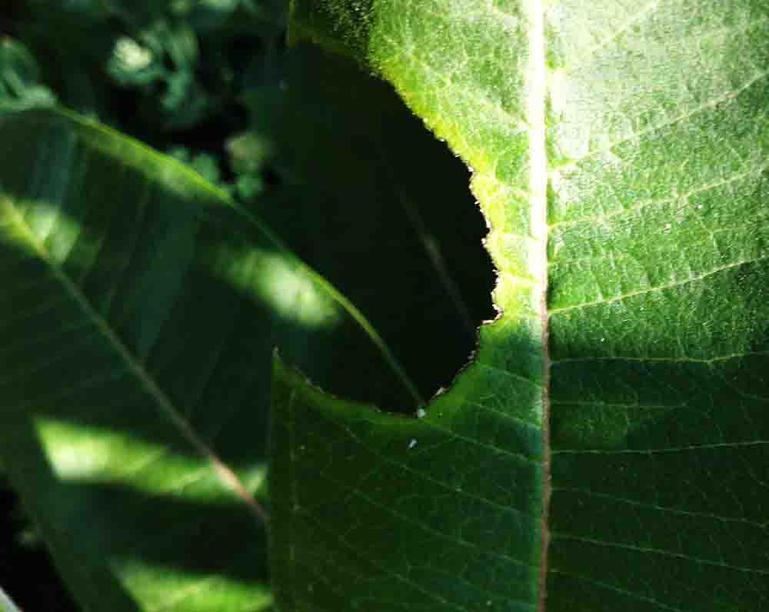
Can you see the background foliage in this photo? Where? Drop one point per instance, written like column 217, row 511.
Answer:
column 136, row 65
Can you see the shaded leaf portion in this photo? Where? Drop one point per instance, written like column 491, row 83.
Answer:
column 370, row 511
column 658, row 309
column 140, row 312
column 648, row 130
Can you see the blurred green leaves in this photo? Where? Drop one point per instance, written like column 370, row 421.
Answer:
column 20, row 85
column 173, row 73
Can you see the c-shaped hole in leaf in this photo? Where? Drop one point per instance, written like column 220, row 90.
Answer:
column 383, row 210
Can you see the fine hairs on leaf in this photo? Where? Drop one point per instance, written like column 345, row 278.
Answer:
column 607, row 446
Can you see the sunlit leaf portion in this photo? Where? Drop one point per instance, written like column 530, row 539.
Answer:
column 280, row 281
column 607, row 449
column 175, row 590
column 83, row 454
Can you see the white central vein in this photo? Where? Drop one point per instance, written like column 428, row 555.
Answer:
column 536, row 100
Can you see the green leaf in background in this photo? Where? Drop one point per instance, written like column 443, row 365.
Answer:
column 139, row 317
column 162, row 70
column 608, row 449
column 20, row 85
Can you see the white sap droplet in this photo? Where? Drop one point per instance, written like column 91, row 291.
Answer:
column 412, row 443
column 421, row 413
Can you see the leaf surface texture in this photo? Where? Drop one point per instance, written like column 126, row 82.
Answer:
column 138, row 320
column 607, row 448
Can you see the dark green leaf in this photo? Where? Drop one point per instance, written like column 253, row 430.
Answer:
column 137, row 326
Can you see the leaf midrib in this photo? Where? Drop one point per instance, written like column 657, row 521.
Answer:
column 223, row 472
column 536, row 108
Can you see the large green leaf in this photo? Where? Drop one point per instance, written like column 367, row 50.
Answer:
column 608, row 447
column 139, row 315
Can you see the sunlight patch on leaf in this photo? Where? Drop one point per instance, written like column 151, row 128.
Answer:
column 164, row 589
column 279, row 281
column 46, row 222
column 88, row 454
